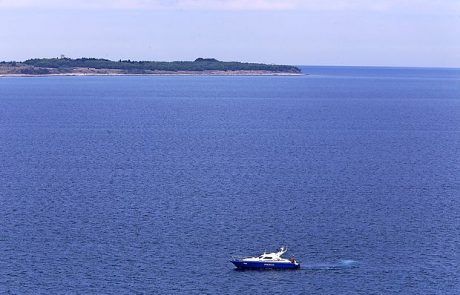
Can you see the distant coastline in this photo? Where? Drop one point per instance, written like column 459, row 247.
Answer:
column 103, row 67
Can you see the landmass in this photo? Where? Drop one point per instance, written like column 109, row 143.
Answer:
column 99, row 66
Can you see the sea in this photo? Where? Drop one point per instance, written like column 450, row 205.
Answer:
column 150, row 184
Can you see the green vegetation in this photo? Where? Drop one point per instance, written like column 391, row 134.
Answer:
column 138, row 67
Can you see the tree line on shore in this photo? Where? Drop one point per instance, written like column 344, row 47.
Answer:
column 200, row 64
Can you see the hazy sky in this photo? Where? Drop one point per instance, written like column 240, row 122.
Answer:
column 301, row 32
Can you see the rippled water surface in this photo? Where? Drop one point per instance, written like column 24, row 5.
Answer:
column 113, row 185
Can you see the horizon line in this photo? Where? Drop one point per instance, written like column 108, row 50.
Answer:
column 259, row 62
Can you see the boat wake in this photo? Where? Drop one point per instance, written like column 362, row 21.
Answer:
column 341, row 264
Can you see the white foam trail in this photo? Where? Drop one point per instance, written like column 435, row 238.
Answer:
column 341, row 264
column 347, row 262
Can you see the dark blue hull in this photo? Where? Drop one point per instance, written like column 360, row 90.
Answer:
column 264, row 265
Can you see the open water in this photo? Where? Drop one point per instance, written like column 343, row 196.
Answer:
column 148, row 185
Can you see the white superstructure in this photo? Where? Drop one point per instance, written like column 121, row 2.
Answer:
column 270, row 257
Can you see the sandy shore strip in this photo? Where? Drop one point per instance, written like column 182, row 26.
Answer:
column 162, row 74
column 154, row 73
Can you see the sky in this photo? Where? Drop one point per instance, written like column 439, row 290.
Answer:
column 413, row 33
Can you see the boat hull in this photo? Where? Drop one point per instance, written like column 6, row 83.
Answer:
column 264, row 265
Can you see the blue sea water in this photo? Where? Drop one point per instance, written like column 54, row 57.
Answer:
column 148, row 185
